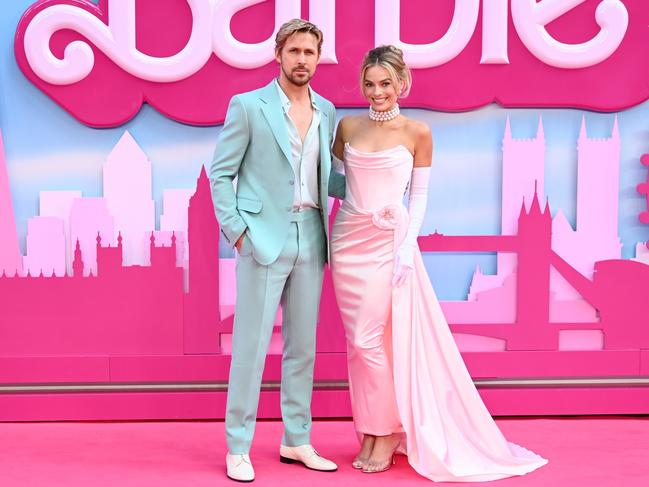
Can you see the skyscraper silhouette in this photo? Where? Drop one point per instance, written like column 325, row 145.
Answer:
column 11, row 261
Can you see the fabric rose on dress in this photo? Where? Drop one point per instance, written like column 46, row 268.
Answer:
column 387, row 218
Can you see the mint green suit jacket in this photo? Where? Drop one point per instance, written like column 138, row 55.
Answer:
column 254, row 147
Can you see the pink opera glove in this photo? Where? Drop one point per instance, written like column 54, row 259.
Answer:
column 405, row 255
column 337, row 164
column 403, row 264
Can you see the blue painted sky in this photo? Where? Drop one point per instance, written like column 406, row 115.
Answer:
column 48, row 149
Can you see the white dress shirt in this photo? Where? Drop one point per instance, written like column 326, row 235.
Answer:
column 305, row 157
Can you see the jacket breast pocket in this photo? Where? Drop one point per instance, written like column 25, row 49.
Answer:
column 248, row 204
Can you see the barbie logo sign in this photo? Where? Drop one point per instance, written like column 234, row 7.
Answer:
column 187, row 57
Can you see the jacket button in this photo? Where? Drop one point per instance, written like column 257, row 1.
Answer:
column 291, row 182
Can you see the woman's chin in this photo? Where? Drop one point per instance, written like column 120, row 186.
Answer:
column 381, row 107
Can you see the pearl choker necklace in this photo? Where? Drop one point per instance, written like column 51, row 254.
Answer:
column 384, row 116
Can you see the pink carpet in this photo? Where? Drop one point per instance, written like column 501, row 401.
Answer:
column 611, row 451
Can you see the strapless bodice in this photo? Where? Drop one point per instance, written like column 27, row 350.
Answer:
column 376, row 179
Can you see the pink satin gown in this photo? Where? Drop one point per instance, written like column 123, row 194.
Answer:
column 406, row 374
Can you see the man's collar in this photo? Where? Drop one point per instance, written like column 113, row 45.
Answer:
column 286, row 103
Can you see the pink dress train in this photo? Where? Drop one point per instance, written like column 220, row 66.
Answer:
column 406, row 374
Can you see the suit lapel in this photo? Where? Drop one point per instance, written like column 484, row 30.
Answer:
column 271, row 107
column 325, row 155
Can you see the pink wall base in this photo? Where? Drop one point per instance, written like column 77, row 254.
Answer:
column 330, row 398
column 326, row 404
column 329, row 367
column 152, row 405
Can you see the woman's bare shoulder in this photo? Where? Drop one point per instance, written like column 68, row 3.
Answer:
column 417, row 128
column 348, row 125
column 351, row 121
column 421, row 139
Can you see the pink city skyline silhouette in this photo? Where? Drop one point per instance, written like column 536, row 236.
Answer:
column 99, row 281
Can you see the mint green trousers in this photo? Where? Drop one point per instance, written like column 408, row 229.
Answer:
column 295, row 281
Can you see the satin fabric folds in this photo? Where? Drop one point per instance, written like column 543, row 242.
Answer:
column 406, row 373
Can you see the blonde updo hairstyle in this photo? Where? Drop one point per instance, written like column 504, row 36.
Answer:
column 389, row 58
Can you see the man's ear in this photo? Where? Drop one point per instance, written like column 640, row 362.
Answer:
column 278, row 54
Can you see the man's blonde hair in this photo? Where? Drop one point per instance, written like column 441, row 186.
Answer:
column 297, row 26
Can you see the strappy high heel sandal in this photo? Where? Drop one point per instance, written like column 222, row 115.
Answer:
column 379, row 467
column 359, row 463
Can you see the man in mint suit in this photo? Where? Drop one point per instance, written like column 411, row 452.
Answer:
column 276, row 142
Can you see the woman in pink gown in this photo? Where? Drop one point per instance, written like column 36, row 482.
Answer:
column 409, row 387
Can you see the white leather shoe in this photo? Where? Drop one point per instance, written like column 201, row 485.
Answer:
column 306, row 455
column 240, row 468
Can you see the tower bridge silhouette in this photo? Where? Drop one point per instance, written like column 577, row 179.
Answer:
column 618, row 290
